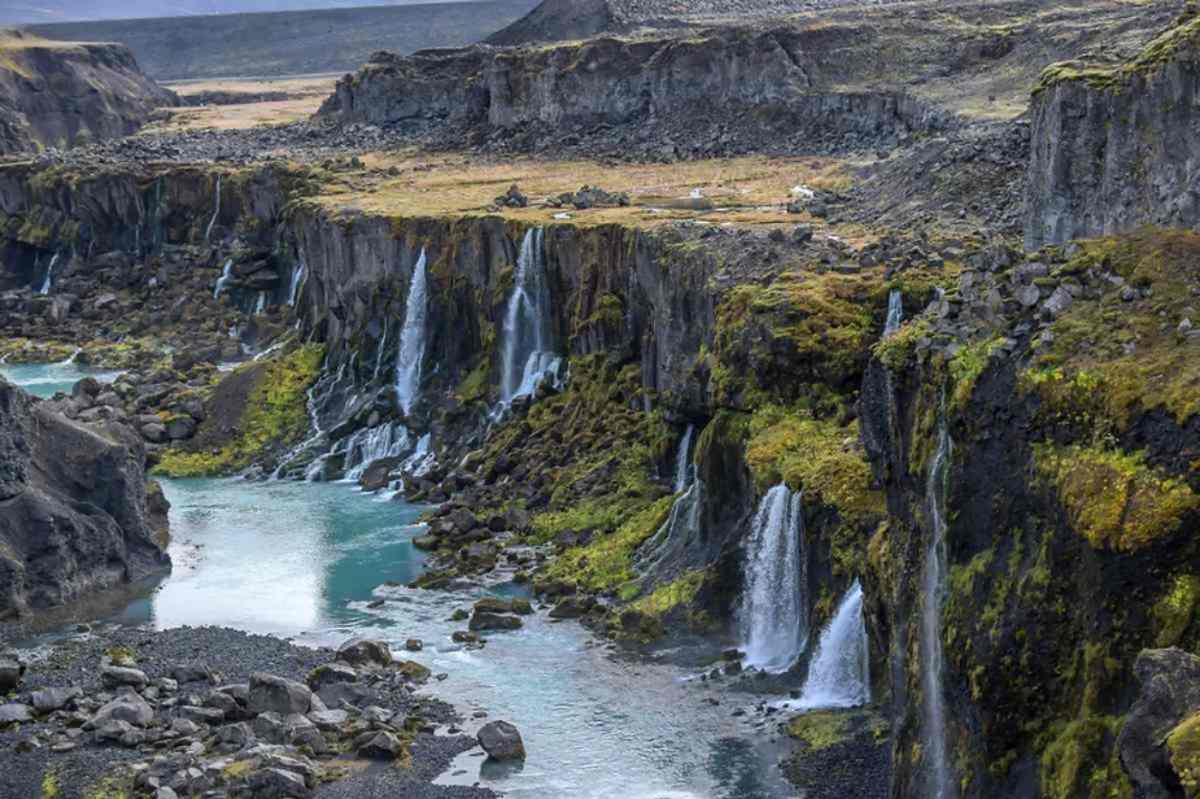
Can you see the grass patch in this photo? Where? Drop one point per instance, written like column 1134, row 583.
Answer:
column 607, row 562
column 678, row 593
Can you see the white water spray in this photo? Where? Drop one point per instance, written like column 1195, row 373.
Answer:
column 774, row 611
column 840, row 673
column 895, row 313
column 933, row 592
column 223, row 280
column 297, row 279
column 683, row 461
column 374, row 444
column 261, row 305
column 528, row 354
column 48, row 282
column 216, row 212
column 412, row 338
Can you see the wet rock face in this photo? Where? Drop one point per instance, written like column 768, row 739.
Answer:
column 1115, row 151
column 57, row 95
column 74, row 517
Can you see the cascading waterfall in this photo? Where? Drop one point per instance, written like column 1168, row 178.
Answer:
column 261, row 304
column 840, row 672
column 674, row 536
column 216, row 212
column 933, row 592
column 774, row 611
column 683, row 462
column 373, row 444
column 528, row 354
column 379, row 352
column 223, row 280
column 48, row 282
column 294, row 288
column 895, row 313
column 412, row 338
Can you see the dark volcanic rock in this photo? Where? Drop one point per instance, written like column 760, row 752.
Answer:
column 74, row 516
column 502, row 741
column 1170, row 681
column 59, row 95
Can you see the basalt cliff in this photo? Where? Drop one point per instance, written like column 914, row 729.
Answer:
column 807, row 295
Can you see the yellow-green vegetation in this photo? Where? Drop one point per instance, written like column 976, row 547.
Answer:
column 1184, row 35
column 275, row 416
column 1184, row 746
column 1110, row 359
column 897, row 350
column 607, row 562
column 1115, row 499
column 818, row 456
column 680, row 592
column 1075, row 765
column 50, row 787
column 967, row 365
column 1175, row 611
column 237, row 770
column 805, row 326
column 121, row 656
column 823, row 729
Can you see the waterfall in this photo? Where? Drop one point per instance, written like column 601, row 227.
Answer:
column 226, row 276
column 683, row 463
column 216, row 212
column 48, row 282
column 373, row 444
column 676, row 533
column 895, row 312
column 528, row 354
column 839, row 675
column 294, row 288
column 261, row 305
column 933, row 592
column 382, row 346
column 412, row 338
column 774, row 611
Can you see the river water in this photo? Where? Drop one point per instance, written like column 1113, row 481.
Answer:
column 304, row 560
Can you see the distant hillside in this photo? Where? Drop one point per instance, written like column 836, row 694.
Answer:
column 39, row 12
column 291, row 43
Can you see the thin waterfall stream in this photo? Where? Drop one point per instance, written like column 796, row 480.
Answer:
column 683, row 461
column 933, row 593
column 528, row 354
column 840, row 673
column 412, row 338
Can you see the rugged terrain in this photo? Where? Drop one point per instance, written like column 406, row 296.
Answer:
column 64, row 94
column 290, row 42
column 964, row 340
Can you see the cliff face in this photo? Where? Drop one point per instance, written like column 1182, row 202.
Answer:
column 724, row 80
column 1113, row 149
column 59, row 95
column 74, row 516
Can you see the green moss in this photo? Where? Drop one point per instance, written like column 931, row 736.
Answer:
column 1114, row 499
column 607, row 562
column 1111, row 359
column 820, row 729
column 275, row 416
column 675, row 594
column 818, row 456
column 1184, row 745
column 1074, row 764
column 966, row 367
column 1175, row 611
column 476, row 386
column 121, row 656
column 50, row 787
column 898, row 350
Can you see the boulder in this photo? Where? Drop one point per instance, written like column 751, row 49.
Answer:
column 128, row 707
column 502, row 741
column 1170, row 694
column 10, row 675
column 381, row 746
column 328, row 720
column 330, row 674
column 15, row 713
column 493, row 621
column 269, row 693
column 49, row 700
column 276, row 783
column 192, row 673
column 113, row 676
column 365, row 652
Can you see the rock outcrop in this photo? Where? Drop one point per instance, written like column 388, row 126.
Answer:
column 59, row 94
column 1114, row 148
column 1170, row 696
column 763, row 88
column 73, row 507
